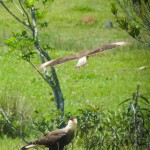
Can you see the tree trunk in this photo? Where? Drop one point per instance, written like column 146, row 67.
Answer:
column 52, row 80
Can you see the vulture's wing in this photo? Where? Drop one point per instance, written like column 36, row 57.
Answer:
column 52, row 137
column 48, row 140
column 82, row 54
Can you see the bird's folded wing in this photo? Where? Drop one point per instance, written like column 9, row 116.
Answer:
column 51, row 137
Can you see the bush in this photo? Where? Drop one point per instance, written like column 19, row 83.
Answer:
column 103, row 129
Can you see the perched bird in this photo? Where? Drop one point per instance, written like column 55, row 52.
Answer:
column 56, row 140
column 82, row 56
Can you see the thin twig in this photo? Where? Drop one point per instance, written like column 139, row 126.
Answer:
column 18, row 8
column 25, row 14
column 8, row 10
column 40, row 73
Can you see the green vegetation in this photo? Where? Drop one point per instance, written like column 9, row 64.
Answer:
column 107, row 79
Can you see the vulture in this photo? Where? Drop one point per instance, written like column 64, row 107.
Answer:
column 57, row 139
column 81, row 56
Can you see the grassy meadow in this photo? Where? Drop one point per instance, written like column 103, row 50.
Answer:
column 107, row 79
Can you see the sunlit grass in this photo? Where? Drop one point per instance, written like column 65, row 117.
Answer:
column 108, row 78
column 11, row 144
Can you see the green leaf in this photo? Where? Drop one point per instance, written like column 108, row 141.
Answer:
column 40, row 14
column 114, row 9
column 125, row 101
column 47, row 1
column 129, row 109
column 24, row 33
column 44, row 24
column 123, row 23
column 134, row 30
column 31, row 3
column 144, row 98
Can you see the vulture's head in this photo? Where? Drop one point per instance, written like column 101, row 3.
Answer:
column 72, row 123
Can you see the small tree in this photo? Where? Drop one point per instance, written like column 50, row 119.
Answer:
column 30, row 14
column 135, row 19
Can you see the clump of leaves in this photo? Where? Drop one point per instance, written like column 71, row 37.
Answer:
column 23, row 43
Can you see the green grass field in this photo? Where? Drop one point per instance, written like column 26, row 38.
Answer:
column 107, row 79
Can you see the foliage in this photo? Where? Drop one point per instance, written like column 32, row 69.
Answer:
column 23, row 43
column 103, row 129
column 99, row 128
column 135, row 19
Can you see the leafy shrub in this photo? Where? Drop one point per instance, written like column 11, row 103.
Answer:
column 103, row 129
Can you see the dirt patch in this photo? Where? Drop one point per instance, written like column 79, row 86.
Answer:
column 88, row 20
